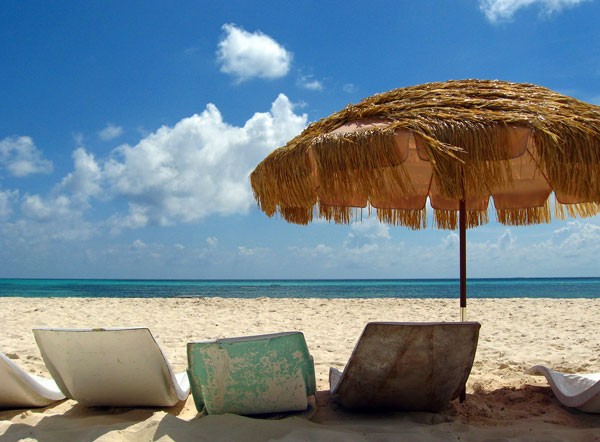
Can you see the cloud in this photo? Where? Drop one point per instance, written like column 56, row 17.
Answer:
column 182, row 174
column 504, row 10
column 20, row 157
column 40, row 209
column 349, row 88
column 370, row 228
column 7, row 198
column 578, row 237
column 199, row 167
column 506, row 241
column 110, row 132
column 310, row 83
column 85, row 180
column 312, row 251
column 251, row 251
column 450, row 241
column 210, row 251
column 138, row 244
column 571, row 250
column 248, row 55
column 136, row 218
column 39, row 221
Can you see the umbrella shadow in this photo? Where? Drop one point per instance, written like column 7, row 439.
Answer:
column 497, row 407
column 511, row 404
column 329, row 411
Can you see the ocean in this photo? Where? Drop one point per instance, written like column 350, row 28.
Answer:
column 363, row 288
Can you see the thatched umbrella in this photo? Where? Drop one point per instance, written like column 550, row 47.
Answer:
column 456, row 143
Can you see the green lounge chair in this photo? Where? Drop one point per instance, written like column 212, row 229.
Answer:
column 251, row 375
column 407, row 366
column 19, row 389
column 122, row 367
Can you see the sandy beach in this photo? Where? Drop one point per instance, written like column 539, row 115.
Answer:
column 503, row 403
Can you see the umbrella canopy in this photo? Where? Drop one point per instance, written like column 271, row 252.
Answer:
column 456, row 143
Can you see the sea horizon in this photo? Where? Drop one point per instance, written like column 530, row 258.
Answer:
column 4, row 278
column 507, row 287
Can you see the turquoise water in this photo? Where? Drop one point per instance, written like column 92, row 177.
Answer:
column 388, row 288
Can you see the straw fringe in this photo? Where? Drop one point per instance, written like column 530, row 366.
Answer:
column 414, row 219
column 462, row 127
column 582, row 210
column 448, row 219
column 340, row 215
column 526, row 216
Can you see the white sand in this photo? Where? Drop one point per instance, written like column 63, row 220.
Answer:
column 502, row 403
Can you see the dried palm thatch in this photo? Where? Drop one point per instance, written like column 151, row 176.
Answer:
column 451, row 141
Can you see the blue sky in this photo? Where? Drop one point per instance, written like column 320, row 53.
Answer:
column 128, row 130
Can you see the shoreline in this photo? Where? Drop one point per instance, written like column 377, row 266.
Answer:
column 516, row 333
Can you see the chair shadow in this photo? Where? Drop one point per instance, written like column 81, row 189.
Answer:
column 9, row 414
column 485, row 408
column 80, row 422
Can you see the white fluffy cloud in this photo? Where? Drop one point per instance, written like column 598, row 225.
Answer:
column 197, row 168
column 40, row 209
column 503, row 10
column 181, row 174
column 85, row 180
column 20, row 157
column 248, row 55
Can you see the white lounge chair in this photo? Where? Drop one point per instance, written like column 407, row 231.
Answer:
column 19, row 389
column 111, row 367
column 407, row 366
column 581, row 391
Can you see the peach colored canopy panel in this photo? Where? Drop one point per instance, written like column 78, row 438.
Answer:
column 475, row 140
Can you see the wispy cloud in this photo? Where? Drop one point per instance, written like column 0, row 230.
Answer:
column 20, row 157
column 45, row 219
column 504, row 10
column 138, row 244
column 349, row 88
column 246, row 55
column 7, row 198
column 310, row 83
column 110, row 132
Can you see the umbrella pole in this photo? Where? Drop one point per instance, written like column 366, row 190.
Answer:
column 462, row 222
column 462, row 240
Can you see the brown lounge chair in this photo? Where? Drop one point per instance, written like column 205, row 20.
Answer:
column 407, row 366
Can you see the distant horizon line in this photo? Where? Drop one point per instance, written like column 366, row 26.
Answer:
column 2, row 278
